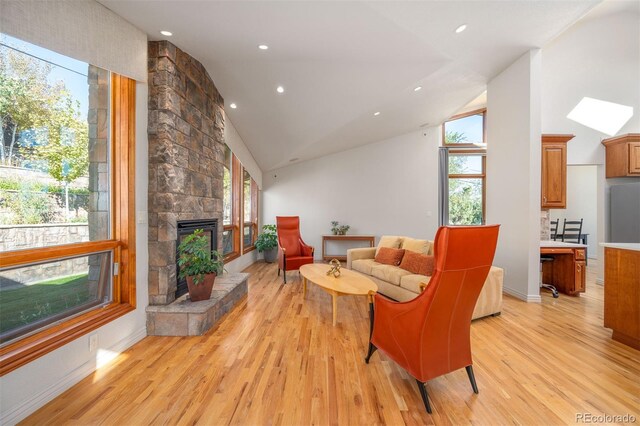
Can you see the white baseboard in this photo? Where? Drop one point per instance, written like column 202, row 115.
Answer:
column 20, row 412
column 532, row 298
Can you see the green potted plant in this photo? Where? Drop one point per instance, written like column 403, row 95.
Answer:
column 199, row 265
column 267, row 242
column 338, row 229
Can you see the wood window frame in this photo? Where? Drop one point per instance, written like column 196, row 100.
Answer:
column 236, row 209
column 123, row 243
column 254, row 215
column 483, row 175
column 480, row 111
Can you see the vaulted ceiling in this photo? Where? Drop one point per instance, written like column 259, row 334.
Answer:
column 340, row 62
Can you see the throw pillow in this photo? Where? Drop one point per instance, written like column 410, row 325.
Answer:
column 412, row 262
column 427, row 266
column 389, row 256
column 418, row 246
column 389, row 241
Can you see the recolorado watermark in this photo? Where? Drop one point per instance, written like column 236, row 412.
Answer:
column 605, row 418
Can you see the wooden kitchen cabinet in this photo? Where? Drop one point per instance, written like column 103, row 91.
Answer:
column 579, row 277
column 623, row 155
column 554, row 171
column 622, row 293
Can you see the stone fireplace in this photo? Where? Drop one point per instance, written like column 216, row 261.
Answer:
column 186, row 151
column 186, row 154
column 187, row 227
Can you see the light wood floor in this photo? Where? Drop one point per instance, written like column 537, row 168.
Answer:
column 277, row 360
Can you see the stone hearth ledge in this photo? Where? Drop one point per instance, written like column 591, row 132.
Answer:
column 183, row 317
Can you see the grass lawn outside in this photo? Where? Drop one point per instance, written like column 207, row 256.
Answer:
column 24, row 305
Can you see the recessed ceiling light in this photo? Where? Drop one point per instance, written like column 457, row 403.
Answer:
column 263, row 47
column 461, row 28
column 417, row 88
column 166, row 33
column 233, row 105
column 377, row 113
column 280, row 89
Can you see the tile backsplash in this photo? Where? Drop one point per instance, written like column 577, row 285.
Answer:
column 545, row 232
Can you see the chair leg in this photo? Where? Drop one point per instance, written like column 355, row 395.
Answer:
column 425, row 395
column 553, row 290
column 285, row 275
column 278, row 271
column 372, row 349
column 472, row 378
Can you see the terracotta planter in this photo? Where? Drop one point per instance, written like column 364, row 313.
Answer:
column 201, row 291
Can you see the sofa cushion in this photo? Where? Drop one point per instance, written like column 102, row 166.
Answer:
column 364, row 265
column 389, row 256
column 389, row 241
column 412, row 282
column 418, row 246
column 416, row 263
column 389, row 273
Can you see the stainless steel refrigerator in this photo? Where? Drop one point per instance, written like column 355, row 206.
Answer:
column 624, row 213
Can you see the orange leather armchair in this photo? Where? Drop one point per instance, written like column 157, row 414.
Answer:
column 292, row 251
column 430, row 335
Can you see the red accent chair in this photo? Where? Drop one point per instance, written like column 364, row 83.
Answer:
column 429, row 335
column 292, row 251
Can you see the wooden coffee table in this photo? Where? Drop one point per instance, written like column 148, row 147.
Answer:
column 348, row 283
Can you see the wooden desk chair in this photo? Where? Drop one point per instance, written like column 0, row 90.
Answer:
column 554, row 229
column 572, row 231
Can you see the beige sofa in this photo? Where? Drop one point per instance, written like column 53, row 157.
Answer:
column 403, row 285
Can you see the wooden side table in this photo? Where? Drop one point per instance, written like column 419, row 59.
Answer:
column 371, row 239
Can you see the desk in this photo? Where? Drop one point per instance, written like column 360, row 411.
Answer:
column 567, row 272
column 584, row 239
column 368, row 238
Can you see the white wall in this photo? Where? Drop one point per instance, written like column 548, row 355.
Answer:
column 513, row 173
column 28, row 388
column 582, row 202
column 384, row 188
column 598, row 57
column 233, row 139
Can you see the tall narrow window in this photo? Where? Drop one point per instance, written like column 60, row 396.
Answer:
column 464, row 135
column 250, row 213
column 66, row 224
column 466, row 188
column 227, row 209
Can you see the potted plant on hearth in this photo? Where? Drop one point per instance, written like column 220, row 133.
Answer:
column 199, row 265
column 267, row 242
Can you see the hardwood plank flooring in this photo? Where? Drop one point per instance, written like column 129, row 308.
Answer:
column 278, row 360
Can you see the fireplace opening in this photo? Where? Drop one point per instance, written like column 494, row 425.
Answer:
column 187, row 227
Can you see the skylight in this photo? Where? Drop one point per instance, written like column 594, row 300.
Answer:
column 603, row 116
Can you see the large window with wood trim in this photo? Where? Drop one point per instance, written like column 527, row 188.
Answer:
column 250, row 212
column 240, row 208
column 465, row 136
column 232, row 200
column 67, row 230
column 467, row 188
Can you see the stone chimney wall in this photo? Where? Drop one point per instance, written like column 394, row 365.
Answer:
column 186, row 155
